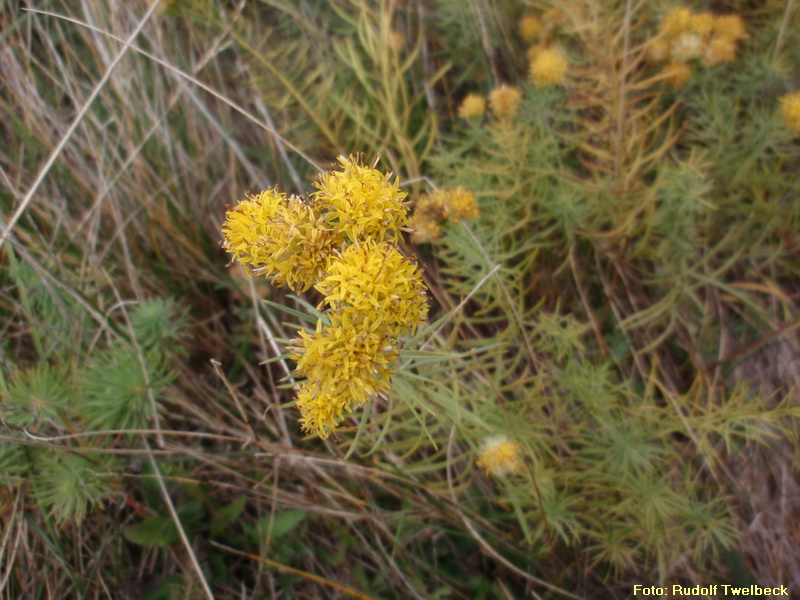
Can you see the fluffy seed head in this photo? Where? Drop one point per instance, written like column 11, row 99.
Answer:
column 686, row 47
column 499, row 456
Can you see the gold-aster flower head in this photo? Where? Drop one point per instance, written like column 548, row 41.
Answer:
column 247, row 226
column 473, row 105
column 360, row 202
column 498, row 456
column 345, row 365
column 549, row 66
column 374, row 280
column 790, row 111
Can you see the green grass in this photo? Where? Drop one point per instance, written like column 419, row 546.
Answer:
column 624, row 310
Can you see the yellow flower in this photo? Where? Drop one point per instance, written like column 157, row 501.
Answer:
column 360, row 202
column 499, row 456
column 504, row 101
column 677, row 73
column 790, row 111
column 473, row 105
column 529, row 28
column 548, row 67
column 248, row 225
column 375, row 281
column 299, row 245
column 345, row 365
column 676, row 21
column 720, row 50
column 730, row 27
column 702, row 24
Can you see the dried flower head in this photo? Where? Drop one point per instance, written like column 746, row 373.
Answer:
column 549, row 66
column 720, row 50
column 658, row 50
column 730, row 27
column 677, row 73
column 360, row 202
column 425, row 227
column 499, row 456
column 473, row 105
column 529, row 28
column 504, row 101
column 676, row 21
column 790, row 111
column 459, row 203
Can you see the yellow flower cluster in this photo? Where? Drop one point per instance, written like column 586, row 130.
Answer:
column 499, row 456
column 685, row 36
column 790, row 111
column 440, row 206
column 548, row 65
column 342, row 241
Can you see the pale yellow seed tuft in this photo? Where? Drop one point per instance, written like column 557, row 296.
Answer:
column 686, row 47
column 499, row 456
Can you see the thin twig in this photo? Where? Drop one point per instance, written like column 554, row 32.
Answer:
column 174, row 514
